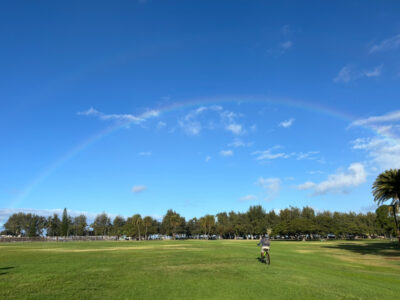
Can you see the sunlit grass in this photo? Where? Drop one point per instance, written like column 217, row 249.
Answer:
column 199, row 269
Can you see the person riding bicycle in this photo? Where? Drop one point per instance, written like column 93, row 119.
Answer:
column 265, row 244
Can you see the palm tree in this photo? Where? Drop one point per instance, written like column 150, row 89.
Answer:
column 147, row 223
column 387, row 187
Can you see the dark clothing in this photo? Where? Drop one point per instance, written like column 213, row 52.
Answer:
column 264, row 242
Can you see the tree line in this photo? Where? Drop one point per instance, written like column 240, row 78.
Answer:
column 291, row 223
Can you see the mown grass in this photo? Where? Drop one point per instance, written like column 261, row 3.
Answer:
column 199, row 269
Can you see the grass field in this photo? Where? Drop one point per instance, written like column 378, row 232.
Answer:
column 200, row 269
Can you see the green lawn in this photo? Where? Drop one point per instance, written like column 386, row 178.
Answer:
column 199, row 269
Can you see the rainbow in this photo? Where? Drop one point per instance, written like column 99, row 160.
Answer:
column 180, row 106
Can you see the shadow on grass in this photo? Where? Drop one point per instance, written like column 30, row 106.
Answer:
column 261, row 260
column 384, row 249
column 5, row 269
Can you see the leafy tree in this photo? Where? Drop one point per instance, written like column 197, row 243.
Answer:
column 65, row 223
column 101, row 224
column 387, row 188
column 147, row 224
column 192, row 227
column 79, row 225
column 53, row 226
column 172, row 223
column 118, row 226
column 138, row 224
column 207, row 223
column 385, row 220
column 223, row 224
column 257, row 220
column 15, row 224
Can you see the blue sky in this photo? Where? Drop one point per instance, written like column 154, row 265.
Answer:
column 201, row 106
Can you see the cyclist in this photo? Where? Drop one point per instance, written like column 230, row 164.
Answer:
column 265, row 244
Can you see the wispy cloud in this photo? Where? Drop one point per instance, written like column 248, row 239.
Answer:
column 392, row 116
column 129, row 118
column 383, row 150
column 387, row 44
column 207, row 159
column 139, row 188
column 270, row 154
column 286, row 45
column 383, row 153
column 190, row 123
column 271, row 187
column 286, row 123
column 375, row 72
column 248, row 198
column 344, row 75
column 349, row 73
column 239, row 143
column 161, row 124
column 148, row 153
column 306, row 155
column 339, row 182
column 229, row 118
column 315, row 172
column 267, row 154
column 235, row 128
column 226, row 153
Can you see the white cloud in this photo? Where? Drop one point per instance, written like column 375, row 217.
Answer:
column 248, row 198
column 229, row 119
column 190, row 123
column 384, row 153
column 315, row 172
column 195, row 121
column 267, row 154
column 305, row 186
column 286, row 123
column 191, row 128
column 121, row 117
column 375, row 72
column 235, row 128
column 344, row 75
column 271, row 187
column 226, row 153
column 389, row 117
column 339, row 182
column 388, row 44
column 207, row 159
column 148, row 153
column 349, row 73
column 161, row 124
column 239, row 143
column 306, row 155
column 286, row 45
column 383, row 150
column 139, row 188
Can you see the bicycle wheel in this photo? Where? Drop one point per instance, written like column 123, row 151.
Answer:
column 267, row 258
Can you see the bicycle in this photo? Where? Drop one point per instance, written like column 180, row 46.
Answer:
column 265, row 257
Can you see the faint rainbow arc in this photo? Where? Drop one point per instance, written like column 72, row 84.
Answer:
column 176, row 106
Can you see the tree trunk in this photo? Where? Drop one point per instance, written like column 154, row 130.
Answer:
column 395, row 221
